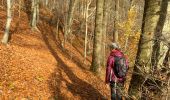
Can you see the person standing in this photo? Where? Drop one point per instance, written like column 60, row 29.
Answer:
column 116, row 70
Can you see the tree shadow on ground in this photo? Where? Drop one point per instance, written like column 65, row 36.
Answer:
column 67, row 53
column 77, row 86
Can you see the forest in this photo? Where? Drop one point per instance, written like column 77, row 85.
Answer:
column 58, row 49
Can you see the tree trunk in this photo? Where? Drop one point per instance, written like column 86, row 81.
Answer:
column 37, row 11
column 9, row 18
column 162, row 36
column 151, row 19
column 87, row 14
column 83, row 8
column 72, row 6
column 97, row 45
column 34, row 14
column 137, row 8
column 46, row 2
column 116, row 21
column 143, row 62
column 105, row 19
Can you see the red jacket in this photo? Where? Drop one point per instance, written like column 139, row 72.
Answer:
column 110, row 76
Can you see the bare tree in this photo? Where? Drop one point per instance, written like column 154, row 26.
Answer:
column 34, row 13
column 72, row 6
column 86, row 21
column 9, row 18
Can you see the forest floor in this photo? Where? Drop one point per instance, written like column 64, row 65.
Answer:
column 33, row 66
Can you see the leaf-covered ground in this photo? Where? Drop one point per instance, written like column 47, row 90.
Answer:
column 33, row 66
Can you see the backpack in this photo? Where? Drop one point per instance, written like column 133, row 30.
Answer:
column 120, row 66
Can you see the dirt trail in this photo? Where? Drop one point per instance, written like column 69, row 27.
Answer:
column 34, row 66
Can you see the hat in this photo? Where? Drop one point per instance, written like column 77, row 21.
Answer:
column 114, row 45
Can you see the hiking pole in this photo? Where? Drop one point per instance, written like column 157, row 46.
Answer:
column 116, row 87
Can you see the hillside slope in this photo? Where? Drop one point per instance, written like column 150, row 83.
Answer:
column 34, row 66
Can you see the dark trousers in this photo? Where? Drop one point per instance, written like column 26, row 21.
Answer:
column 116, row 90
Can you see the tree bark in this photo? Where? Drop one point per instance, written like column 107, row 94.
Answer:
column 9, row 18
column 116, row 21
column 96, row 58
column 34, row 14
column 37, row 11
column 46, row 2
column 151, row 19
column 137, row 6
column 143, row 61
column 162, row 36
column 86, row 19
column 72, row 6
column 105, row 19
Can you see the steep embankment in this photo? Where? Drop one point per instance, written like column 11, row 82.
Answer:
column 34, row 66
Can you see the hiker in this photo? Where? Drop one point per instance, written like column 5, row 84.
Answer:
column 116, row 71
